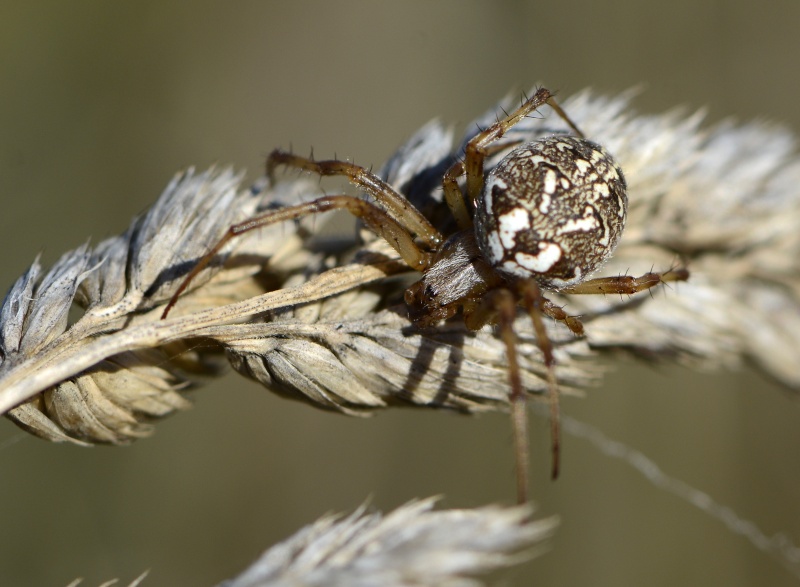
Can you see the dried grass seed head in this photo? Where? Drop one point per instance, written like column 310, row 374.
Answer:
column 725, row 197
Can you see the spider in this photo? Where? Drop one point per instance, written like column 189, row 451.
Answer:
column 546, row 217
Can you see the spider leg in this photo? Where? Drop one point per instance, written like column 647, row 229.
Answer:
column 452, row 193
column 500, row 306
column 557, row 313
column 476, row 150
column 454, row 197
column 395, row 204
column 377, row 219
column 534, row 303
column 626, row 284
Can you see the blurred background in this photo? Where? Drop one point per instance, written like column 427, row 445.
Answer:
column 100, row 103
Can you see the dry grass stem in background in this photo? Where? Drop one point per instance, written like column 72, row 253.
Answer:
column 329, row 328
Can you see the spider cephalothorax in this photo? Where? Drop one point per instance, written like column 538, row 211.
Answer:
column 545, row 218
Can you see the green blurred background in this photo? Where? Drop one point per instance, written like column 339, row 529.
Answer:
column 101, row 102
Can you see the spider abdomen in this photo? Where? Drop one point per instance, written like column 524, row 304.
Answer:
column 553, row 209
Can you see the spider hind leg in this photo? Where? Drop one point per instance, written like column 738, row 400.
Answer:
column 537, row 306
column 499, row 306
column 627, row 284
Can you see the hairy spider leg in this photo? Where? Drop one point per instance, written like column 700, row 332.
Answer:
column 395, row 204
column 534, row 302
column 477, row 150
column 537, row 305
column 499, row 306
column 626, row 284
column 393, row 231
column 452, row 193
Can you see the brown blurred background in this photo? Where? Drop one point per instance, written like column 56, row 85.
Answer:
column 100, row 103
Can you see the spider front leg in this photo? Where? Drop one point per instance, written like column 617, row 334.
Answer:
column 395, row 204
column 397, row 235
